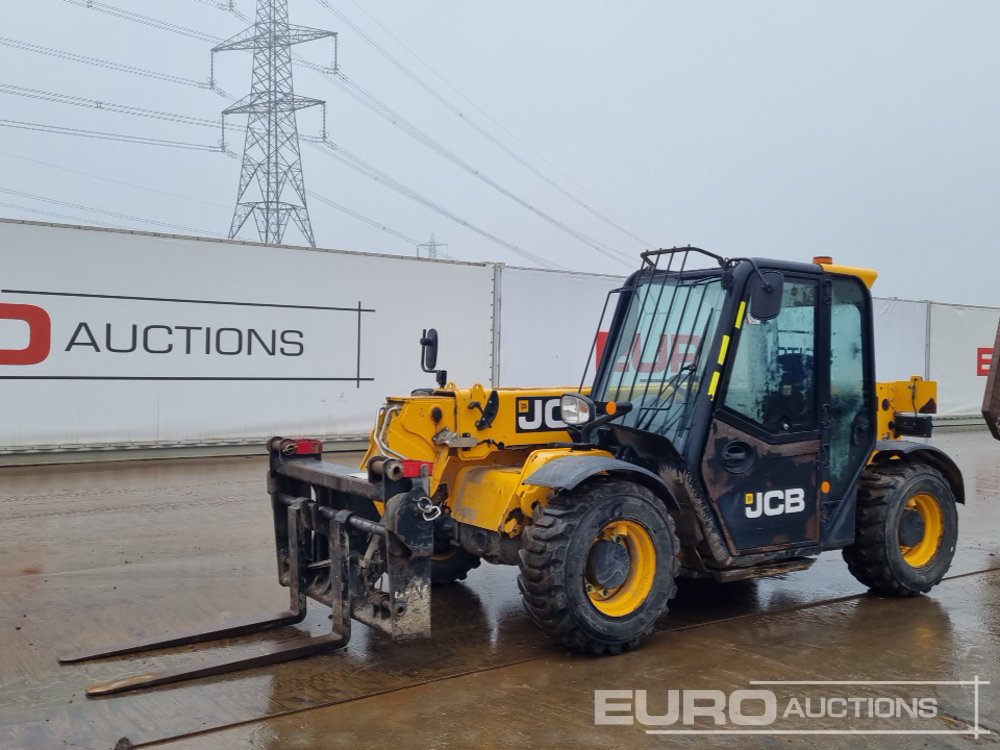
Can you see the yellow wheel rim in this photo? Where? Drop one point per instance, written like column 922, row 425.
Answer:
column 924, row 551
column 628, row 597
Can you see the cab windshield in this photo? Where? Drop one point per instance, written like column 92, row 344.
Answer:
column 658, row 355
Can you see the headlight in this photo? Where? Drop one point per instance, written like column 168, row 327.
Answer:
column 576, row 409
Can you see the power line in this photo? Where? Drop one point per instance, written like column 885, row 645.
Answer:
column 333, row 149
column 105, row 136
column 333, row 204
column 395, row 118
column 398, row 64
column 509, row 134
column 356, row 163
column 58, row 215
column 125, row 109
column 132, row 185
column 229, row 7
column 106, row 64
column 103, row 105
column 156, row 23
column 218, row 4
column 111, row 180
column 113, row 214
column 373, row 103
column 361, row 217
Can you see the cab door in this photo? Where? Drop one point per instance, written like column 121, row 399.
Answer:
column 766, row 456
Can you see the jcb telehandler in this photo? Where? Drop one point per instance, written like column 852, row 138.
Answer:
column 733, row 428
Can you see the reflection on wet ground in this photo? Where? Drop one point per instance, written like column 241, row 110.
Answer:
column 549, row 702
column 93, row 555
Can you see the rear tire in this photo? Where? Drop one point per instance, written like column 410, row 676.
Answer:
column 599, row 565
column 906, row 529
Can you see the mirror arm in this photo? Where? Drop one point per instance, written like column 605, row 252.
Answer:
column 624, row 407
column 764, row 283
column 429, row 342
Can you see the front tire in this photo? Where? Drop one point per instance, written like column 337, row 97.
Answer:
column 907, row 529
column 599, row 565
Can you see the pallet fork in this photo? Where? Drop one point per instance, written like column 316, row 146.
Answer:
column 333, row 546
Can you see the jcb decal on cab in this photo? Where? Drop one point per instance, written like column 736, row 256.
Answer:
column 536, row 414
column 775, row 502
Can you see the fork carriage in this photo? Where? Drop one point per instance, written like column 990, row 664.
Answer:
column 333, row 546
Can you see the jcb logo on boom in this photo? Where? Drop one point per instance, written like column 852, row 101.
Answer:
column 775, row 502
column 537, row 414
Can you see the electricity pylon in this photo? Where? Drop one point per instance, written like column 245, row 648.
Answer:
column 272, row 189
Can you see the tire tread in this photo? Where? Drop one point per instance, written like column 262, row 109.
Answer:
column 543, row 559
column 867, row 558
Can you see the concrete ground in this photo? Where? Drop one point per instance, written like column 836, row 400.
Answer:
column 91, row 555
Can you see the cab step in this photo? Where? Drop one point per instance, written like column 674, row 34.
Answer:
column 763, row 571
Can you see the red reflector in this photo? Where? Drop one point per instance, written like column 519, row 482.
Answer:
column 411, row 468
column 308, row 446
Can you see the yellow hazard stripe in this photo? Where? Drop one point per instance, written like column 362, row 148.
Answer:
column 723, row 350
column 739, row 315
column 714, row 385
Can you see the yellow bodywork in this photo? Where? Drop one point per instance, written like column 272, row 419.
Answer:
column 916, row 396
column 481, row 470
column 867, row 275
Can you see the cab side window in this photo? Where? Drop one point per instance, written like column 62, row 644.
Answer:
column 848, row 409
column 772, row 381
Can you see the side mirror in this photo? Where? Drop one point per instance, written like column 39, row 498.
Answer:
column 429, row 356
column 429, row 350
column 767, row 288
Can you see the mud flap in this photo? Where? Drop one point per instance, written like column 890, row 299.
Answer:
column 991, row 399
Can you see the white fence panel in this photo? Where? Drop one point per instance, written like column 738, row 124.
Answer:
column 117, row 338
column 547, row 324
column 961, row 344
column 900, row 339
column 122, row 338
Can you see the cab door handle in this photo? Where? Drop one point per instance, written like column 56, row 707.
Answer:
column 737, row 456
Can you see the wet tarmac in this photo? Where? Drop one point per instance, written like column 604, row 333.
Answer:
column 91, row 555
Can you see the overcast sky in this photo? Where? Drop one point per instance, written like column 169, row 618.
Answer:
column 866, row 131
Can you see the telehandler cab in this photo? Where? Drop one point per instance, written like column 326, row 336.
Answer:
column 732, row 428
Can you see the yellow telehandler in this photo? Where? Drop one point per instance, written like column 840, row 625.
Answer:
column 731, row 427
